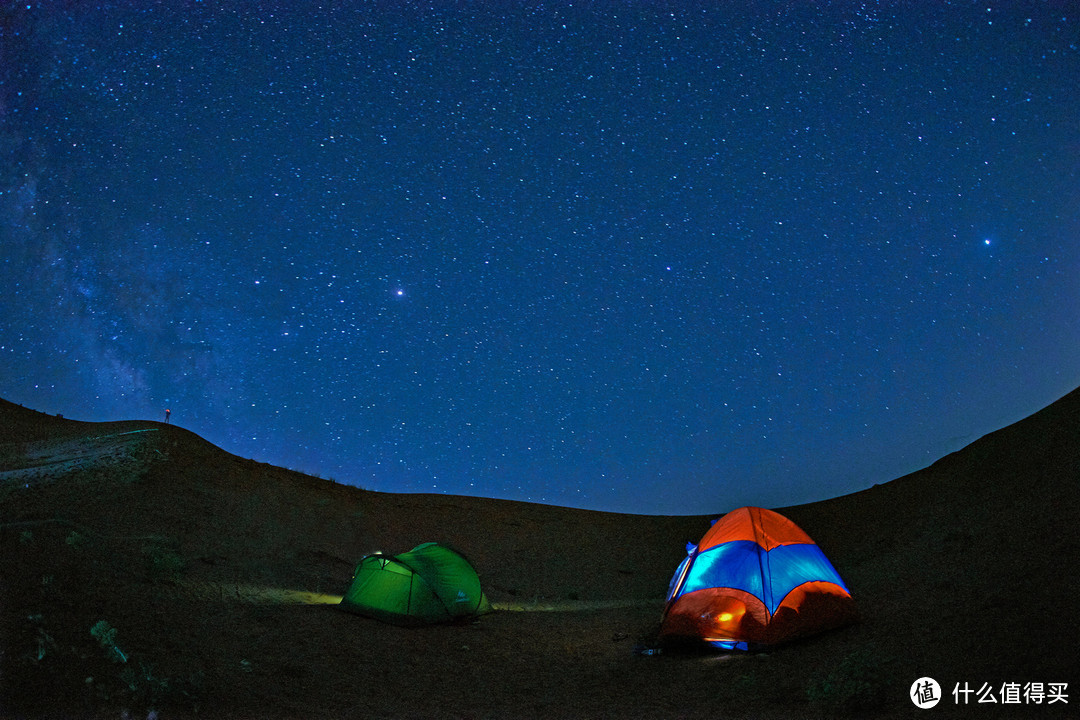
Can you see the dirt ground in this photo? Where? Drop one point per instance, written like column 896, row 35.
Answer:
column 144, row 571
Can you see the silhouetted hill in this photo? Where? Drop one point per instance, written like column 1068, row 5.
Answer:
column 968, row 563
column 215, row 573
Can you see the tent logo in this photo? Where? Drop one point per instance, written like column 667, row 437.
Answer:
column 925, row 693
column 461, row 597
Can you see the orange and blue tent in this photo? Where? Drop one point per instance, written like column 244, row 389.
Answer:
column 755, row 580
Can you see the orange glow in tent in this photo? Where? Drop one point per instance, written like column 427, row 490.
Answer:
column 754, row 581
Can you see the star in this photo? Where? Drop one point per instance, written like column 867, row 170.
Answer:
column 612, row 297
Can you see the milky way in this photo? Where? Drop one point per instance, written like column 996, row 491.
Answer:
column 643, row 257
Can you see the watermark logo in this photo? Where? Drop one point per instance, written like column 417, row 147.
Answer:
column 1012, row 693
column 925, row 693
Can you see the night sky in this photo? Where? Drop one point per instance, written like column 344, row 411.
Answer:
column 635, row 256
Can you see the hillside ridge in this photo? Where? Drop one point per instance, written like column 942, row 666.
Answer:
column 214, row 570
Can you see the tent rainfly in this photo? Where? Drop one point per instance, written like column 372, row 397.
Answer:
column 429, row 584
column 755, row 580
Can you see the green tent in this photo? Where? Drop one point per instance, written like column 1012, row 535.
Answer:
column 429, row 584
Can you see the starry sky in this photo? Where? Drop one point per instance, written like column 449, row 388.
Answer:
column 646, row 257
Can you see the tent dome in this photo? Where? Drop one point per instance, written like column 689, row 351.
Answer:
column 755, row 580
column 429, row 584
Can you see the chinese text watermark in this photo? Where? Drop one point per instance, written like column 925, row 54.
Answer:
column 925, row 693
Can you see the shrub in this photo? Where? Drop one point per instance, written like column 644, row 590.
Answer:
column 137, row 679
column 162, row 562
column 105, row 634
column 43, row 641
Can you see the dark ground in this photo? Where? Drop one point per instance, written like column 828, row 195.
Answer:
column 215, row 575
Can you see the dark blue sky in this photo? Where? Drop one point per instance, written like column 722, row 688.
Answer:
column 646, row 257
